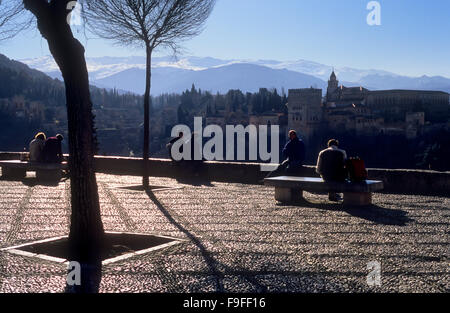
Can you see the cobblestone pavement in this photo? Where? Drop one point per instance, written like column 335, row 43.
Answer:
column 237, row 239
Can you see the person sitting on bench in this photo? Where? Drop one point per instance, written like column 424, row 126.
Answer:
column 331, row 165
column 170, row 144
column 36, row 147
column 195, row 163
column 52, row 152
column 294, row 155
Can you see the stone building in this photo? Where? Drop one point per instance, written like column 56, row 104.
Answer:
column 268, row 118
column 341, row 96
column 362, row 111
column 305, row 111
column 415, row 122
column 396, row 103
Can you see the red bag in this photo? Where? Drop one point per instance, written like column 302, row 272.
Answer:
column 356, row 169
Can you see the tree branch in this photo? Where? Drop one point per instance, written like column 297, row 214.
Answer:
column 13, row 18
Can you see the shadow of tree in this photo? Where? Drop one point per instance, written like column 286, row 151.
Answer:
column 269, row 278
column 211, row 262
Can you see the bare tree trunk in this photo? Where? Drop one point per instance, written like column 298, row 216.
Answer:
column 147, row 103
column 86, row 230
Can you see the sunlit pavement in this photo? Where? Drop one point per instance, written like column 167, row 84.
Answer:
column 237, row 239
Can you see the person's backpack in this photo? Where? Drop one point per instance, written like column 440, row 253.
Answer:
column 357, row 171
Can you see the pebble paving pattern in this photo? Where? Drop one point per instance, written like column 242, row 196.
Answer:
column 238, row 239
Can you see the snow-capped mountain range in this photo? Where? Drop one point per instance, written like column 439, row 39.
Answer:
column 171, row 74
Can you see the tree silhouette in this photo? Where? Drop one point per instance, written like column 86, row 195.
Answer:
column 86, row 235
column 150, row 24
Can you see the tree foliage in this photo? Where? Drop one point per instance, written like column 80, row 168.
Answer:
column 147, row 23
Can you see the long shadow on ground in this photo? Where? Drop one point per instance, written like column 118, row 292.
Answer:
column 212, row 263
column 283, row 280
column 372, row 213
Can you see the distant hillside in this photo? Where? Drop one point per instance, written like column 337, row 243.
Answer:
column 437, row 83
column 31, row 101
column 18, row 79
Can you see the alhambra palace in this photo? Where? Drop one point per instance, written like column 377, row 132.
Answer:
column 348, row 109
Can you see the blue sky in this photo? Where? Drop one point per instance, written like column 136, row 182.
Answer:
column 413, row 38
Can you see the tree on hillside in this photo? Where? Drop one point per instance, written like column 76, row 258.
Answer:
column 148, row 24
column 86, row 228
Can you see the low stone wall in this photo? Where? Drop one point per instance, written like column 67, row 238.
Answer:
column 407, row 181
column 395, row 180
column 234, row 172
column 10, row 155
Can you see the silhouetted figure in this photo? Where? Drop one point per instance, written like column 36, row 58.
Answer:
column 52, row 152
column 196, row 160
column 331, row 165
column 293, row 155
column 36, row 147
column 171, row 142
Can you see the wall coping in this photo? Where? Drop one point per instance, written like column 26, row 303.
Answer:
column 405, row 181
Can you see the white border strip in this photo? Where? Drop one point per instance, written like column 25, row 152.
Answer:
column 160, row 188
column 15, row 249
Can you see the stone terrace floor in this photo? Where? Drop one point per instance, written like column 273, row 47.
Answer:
column 238, row 239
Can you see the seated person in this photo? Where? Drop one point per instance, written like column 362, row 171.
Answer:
column 171, row 142
column 36, row 147
column 294, row 155
column 331, row 165
column 196, row 159
column 52, row 152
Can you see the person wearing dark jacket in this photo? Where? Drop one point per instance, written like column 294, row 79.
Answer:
column 331, row 165
column 196, row 159
column 293, row 155
column 294, row 152
column 52, row 152
column 36, row 147
column 171, row 142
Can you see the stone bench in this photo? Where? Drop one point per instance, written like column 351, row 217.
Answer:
column 16, row 169
column 290, row 188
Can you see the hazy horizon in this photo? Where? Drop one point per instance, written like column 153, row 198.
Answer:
column 237, row 60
